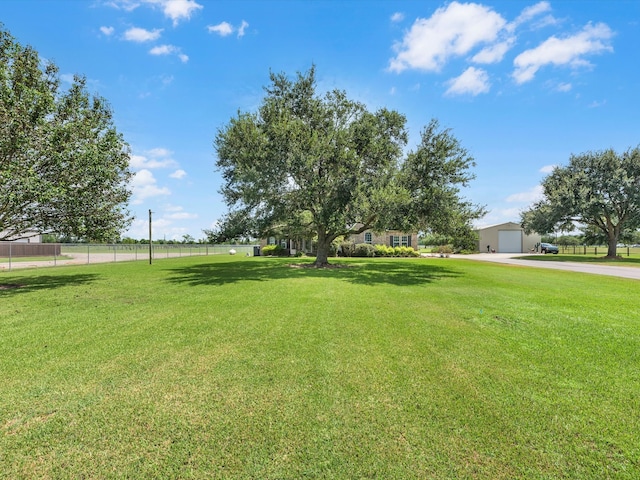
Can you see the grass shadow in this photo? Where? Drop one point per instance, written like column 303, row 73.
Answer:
column 17, row 285
column 367, row 272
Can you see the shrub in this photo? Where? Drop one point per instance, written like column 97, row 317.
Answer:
column 364, row 250
column 274, row 251
column 384, row 251
column 443, row 250
column 347, row 249
column 405, row 252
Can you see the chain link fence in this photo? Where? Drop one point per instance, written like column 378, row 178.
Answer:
column 24, row 255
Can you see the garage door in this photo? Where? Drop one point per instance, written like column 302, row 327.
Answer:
column 509, row 241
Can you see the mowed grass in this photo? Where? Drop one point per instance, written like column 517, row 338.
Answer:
column 227, row 367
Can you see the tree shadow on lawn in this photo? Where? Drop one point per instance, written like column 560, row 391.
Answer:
column 401, row 273
column 15, row 285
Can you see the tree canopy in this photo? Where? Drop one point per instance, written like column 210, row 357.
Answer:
column 600, row 190
column 64, row 167
column 324, row 165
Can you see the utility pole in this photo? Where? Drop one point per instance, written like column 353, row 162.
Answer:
column 150, row 241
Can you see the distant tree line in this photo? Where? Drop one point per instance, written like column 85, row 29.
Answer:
column 186, row 240
column 590, row 236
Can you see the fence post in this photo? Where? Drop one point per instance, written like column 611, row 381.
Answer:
column 596, row 254
column 114, row 253
column 9, row 256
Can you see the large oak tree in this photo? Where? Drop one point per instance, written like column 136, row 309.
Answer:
column 64, row 167
column 326, row 165
column 600, row 190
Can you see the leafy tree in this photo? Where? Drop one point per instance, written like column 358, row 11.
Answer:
column 569, row 240
column 327, row 165
column 63, row 166
column 600, row 190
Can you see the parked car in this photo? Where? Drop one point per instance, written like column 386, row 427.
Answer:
column 548, row 248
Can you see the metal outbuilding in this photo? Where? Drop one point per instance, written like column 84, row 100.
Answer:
column 506, row 238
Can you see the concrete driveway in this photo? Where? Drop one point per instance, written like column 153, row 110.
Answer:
column 597, row 269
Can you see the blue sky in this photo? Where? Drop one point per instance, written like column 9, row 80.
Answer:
column 522, row 84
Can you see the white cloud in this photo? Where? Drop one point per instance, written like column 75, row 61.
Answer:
column 451, row 31
column 529, row 13
column 242, row 28
column 169, row 50
column 173, row 208
column 140, row 35
column 170, row 214
column 494, row 53
column 498, row 216
column 545, row 21
column 179, row 174
column 144, row 186
column 564, row 87
column 593, row 39
column 107, row 30
column 223, row 29
column 181, row 216
column 67, row 77
column 178, row 10
column 162, row 50
column 473, row 81
column 126, row 5
column 533, row 195
column 397, row 17
column 547, row 168
column 159, row 152
column 160, row 158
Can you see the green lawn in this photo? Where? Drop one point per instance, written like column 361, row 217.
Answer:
column 235, row 367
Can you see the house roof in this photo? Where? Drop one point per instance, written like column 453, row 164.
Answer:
column 510, row 224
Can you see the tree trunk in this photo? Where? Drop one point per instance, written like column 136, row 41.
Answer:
column 613, row 246
column 324, row 245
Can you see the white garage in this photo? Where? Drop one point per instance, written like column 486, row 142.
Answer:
column 509, row 241
column 506, row 238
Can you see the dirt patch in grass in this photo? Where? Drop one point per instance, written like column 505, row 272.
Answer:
column 9, row 286
column 313, row 265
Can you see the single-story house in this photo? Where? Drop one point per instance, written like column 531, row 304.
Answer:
column 293, row 245
column 506, row 238
column 391, row 238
